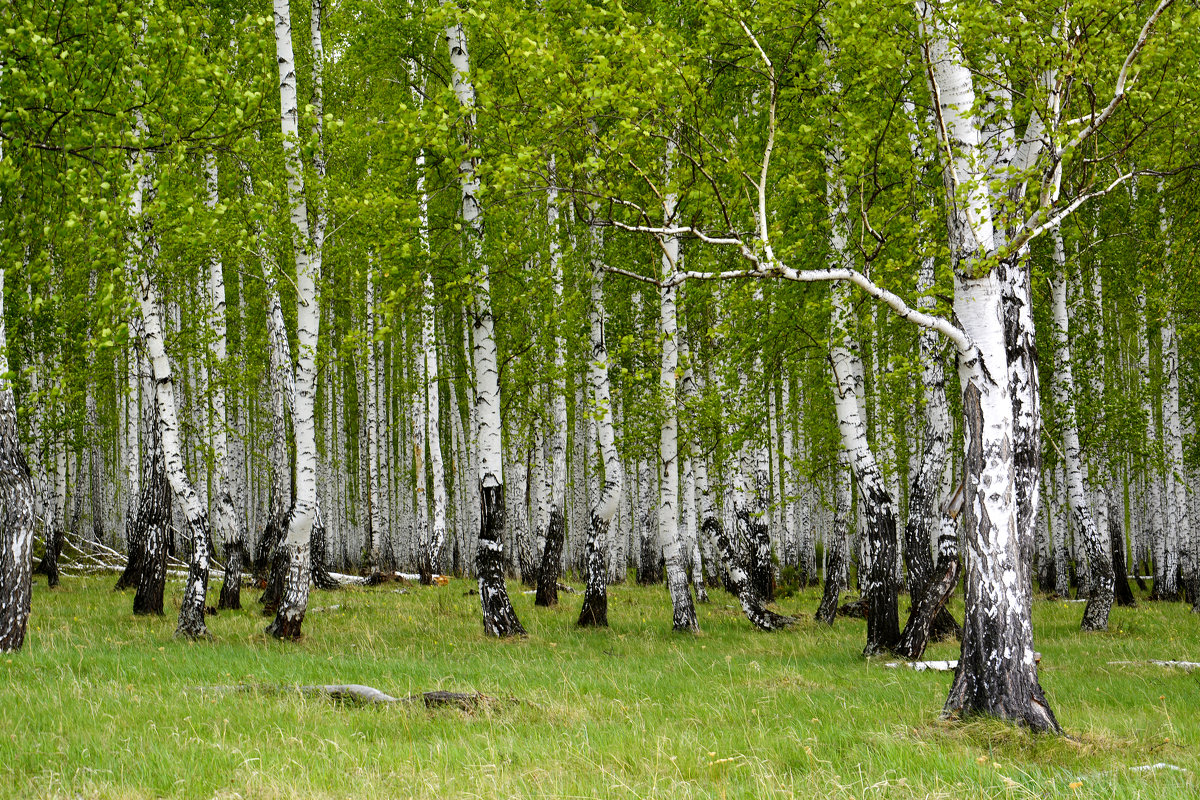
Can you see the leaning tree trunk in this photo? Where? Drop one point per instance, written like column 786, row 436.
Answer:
column 753, row 603
column 16, row 511
column 547, row 583
column 192, row 607
column 499, row 617
column 1095, row 614
column 925, row 620
column 595, row 594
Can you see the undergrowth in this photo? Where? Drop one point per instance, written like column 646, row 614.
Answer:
column 104, row 704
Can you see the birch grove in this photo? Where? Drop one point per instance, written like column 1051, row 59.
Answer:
column 518, row 313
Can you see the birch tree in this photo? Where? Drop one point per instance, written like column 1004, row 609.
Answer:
column 307, row 250
column 499, row 618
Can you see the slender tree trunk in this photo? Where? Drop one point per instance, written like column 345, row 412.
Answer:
column 595, row 595
column 228, row 521
column 547, row 585
column 297, row 543
column 1095, row 615
column 499, row 618
column 668, row 448
column 835, row 542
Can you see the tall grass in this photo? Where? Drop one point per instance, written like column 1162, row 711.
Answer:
column 104, row 704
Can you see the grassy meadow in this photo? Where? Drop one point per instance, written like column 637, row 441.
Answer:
column 102, row 704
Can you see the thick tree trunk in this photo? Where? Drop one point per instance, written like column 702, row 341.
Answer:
column 152, row 527
column 997, row 674
column 16, row 511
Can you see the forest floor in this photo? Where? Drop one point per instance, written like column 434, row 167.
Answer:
column 104, row 704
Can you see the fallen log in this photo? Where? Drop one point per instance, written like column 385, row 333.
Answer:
column 362, row 694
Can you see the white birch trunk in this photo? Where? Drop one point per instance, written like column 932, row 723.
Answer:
column 997, row 674
column 1095, row 615
column 16, row 509
column 228, row 520
column 551, row 556
column 499, row 618
column 595, row 598
column 307, row 251
column 668, row 449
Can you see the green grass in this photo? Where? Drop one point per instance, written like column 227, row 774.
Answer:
column 103, row 704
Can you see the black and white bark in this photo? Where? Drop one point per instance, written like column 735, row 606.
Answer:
column 877, row 550
column 152, row 524
column 997, row 674
column 307, row 248
column 595, row 596
column 555, row 531
column 229, row 523
column 16, row 509
column 499, row 617
column 835, row 541
column 684, row 613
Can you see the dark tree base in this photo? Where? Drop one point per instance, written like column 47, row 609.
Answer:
column 547, row 584
column 1124, row 594
column 594, row 612
column 499, row 617
column 928, row 612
